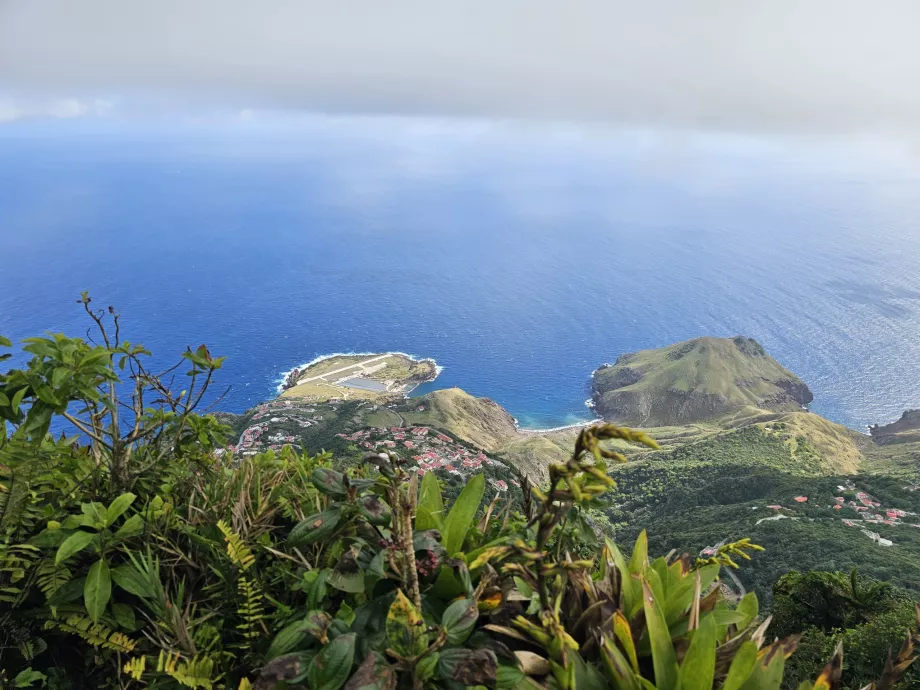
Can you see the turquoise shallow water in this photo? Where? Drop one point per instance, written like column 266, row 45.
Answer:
column 520, row 258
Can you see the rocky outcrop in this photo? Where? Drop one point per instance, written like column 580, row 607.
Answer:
column 904, row 430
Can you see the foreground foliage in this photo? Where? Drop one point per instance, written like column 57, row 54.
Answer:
column 138, row 553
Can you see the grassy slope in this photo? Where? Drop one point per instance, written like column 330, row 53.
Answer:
column 700, row 379
column 479, row 421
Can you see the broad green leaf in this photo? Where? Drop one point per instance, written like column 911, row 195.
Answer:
column 405, row 627
column 462, row 513
column 508, row 677
column 331, row 667
column 58, row 376
column 287, row 639
column 680, row 594
column 345, row 613
column 73, row 544
column 699, row 666
column 660, row 567
column 27, row 677
column 373, row 509
column 94, row 513
column 459, row 619
column 728, row 617
column 117, row 508
column 748, row 606
column 316, row 527
column 124, row 616
column 133, row 582
column 767, row 673
column 68, row 592
column 329, row 481
column 17, row 400
column 430, row 511
column 427, row 665
column 131, row 527
column 639, row 561
column 97, row 590
column 664, row 660
column 741, row 667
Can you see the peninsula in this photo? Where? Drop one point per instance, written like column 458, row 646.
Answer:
column 358, row 377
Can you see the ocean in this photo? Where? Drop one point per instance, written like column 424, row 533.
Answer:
column 520, row 256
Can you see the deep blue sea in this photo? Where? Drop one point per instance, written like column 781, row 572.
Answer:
column 519, row 256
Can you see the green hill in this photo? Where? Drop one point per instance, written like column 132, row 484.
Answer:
column 701, row 379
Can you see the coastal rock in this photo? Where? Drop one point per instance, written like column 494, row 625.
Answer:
column 904, row 430
column 696, row 380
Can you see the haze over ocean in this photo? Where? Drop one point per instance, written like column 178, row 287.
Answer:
column 520, row 257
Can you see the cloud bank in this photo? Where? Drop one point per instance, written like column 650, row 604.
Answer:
column 724, row 64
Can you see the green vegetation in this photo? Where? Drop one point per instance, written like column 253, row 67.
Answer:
column 696, row 495
column 867, row 616
column 702, row 379
column 139, row 552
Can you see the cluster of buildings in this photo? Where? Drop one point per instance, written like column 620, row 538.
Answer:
column 431, row 450
column 254, row 437
column 870, row 512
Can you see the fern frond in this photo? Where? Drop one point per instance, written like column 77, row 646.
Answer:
column 195, row 673
column 237, row 550
column 136, row 667
column 95, row 634
column 251, row 611
column 15, row 562
column 52, row 577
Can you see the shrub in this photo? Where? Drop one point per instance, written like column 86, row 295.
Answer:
column 139, row 552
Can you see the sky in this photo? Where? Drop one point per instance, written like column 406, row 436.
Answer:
column 839, row 66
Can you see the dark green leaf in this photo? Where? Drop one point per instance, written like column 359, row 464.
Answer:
column 374, row 510
column 468, row 666
column 97, row 590
column 459, row 619
column 329, row 481
column 130, row 580
column 124, row 616
column 288, row 639
column 315, row 527
column 331, row 667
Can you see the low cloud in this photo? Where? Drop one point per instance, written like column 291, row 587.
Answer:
column 62, row 108
column 725, row 64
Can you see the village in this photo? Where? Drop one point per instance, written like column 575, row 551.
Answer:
column 431, row 450
column 870, row 512
column 254, row 438
column 428, row 448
